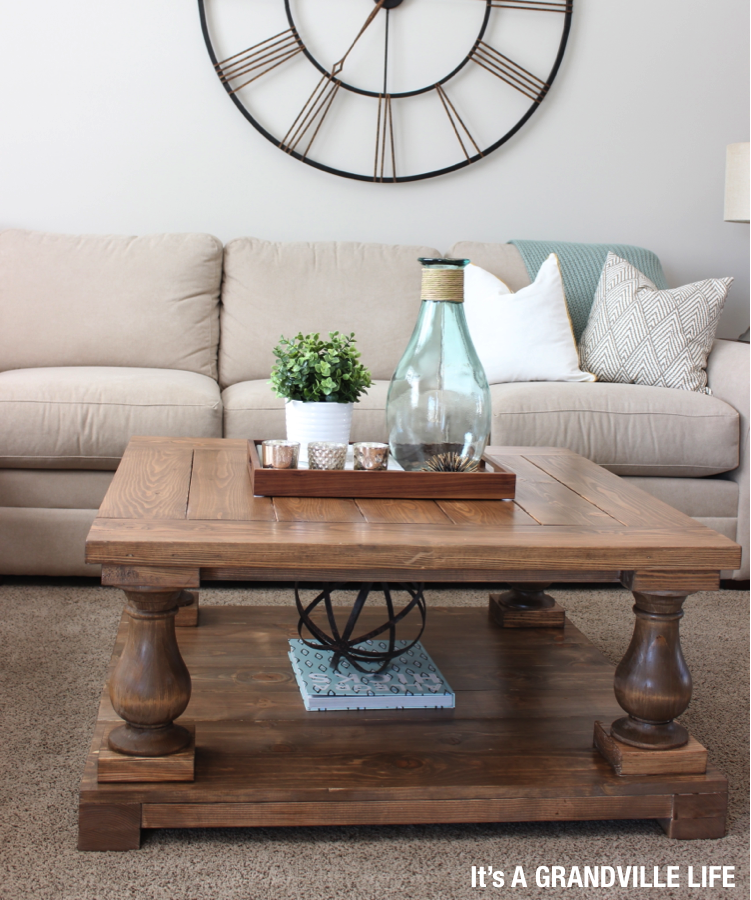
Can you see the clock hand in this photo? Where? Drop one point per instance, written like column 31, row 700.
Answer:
column 386, row 54
column 337, row 67
column 318, row 104
column 384, row 125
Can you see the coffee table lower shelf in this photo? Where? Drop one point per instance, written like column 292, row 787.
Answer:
column 517, row 747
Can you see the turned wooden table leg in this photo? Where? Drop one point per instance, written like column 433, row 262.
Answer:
column 187, row 612
column 150, row 685
column 529, row 596
column 652, row 681
column 526, row 606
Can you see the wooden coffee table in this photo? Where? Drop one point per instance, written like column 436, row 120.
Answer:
column 530, row 688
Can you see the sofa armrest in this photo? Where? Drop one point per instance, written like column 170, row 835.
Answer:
column 728, row 375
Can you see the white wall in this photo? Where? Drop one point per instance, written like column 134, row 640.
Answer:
column 112, row 120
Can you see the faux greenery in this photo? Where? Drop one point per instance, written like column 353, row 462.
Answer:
column 308, row 368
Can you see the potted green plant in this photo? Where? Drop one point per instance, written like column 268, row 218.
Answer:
column 320, row 380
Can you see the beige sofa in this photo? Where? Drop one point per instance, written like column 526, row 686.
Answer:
column 104, row 337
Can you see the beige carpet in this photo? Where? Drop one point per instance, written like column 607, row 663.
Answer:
column 55, row 645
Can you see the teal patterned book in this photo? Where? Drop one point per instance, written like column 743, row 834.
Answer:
column 410, row 681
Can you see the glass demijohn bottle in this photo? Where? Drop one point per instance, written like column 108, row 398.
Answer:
column 438, row 401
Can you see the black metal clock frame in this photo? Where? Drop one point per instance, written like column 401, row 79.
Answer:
column 564, row 7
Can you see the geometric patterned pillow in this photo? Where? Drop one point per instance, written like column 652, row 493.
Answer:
column 637, row 334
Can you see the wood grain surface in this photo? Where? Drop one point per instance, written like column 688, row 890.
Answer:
column 117, row 767
column 219, row 488
column 151, row 482
column 691, row 759
column 485, row 512
column 429, row 551
column 609, row 493
column 154, row 576
column 517, row 747
column 182, row 502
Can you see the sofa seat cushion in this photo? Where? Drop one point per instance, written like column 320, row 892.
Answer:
column 54, row 488
column 700, row 498
column 628, row 428
column 83, row 417
column 251, row 410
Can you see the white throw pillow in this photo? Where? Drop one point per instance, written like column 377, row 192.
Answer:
column 522, row 336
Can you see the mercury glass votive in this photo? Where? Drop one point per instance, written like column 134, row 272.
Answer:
column 280, row 454
column 371, row 455
column 326, row 455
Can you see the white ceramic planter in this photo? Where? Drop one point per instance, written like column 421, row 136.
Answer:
column 308, row 422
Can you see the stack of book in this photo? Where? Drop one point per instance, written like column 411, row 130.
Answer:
column 410, row 681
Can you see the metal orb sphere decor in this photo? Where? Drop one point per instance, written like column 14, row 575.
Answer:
column 341, row 641
column 387, row 90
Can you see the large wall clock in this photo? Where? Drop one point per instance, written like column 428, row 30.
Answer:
column 387, row 90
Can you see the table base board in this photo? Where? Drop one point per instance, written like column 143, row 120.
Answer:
column 517, row 747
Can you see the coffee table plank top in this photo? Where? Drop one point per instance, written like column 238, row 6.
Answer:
column 404, row 512
column 316, row 509
column 217, row 490
column 485, row 512
column 153, row 482
column 188, row 502
column 607, row 492
column 553, row 503
column 430, row 551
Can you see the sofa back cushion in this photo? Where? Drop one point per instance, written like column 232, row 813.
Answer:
column 104, row 300
column 272, row 289
column 503, row 260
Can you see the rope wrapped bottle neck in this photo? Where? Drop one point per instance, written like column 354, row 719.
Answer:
column 442, row 284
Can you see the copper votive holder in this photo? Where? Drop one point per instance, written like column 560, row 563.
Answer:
column 280, row 454
column 371, row 456
column 326, row 455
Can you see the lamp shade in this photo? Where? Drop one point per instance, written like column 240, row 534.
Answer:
column 737, row 183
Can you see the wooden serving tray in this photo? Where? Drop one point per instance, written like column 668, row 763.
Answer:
column 492, row 482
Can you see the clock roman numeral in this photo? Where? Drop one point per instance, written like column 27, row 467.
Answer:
column 456, row 122
column 311, row 116
column 535, row 5
column 384, row 130
column 509, row 71
column 260, row 58
column 318, row 104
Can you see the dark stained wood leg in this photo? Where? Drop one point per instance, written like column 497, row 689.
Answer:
column 150, row 685
column 652, row 681
column 187, row 613
column 109, row 826
column 526, row 606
